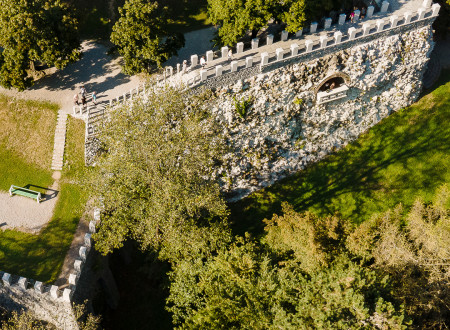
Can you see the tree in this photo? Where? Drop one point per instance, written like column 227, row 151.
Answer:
column 40, row 30
column 154, row 180
column 141, row 36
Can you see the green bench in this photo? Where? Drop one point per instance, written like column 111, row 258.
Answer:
column 15, row 190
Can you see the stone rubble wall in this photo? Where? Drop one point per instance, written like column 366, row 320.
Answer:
column 286, row 130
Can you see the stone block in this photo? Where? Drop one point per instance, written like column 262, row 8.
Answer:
column 67, row 295
column 219, row 70
column 327, row 24
column 88, row 240
column 384, row 6
column 421, row 11
column 394, row 20
column 234, row 66
column 342, row 18
column 313, row 27
column 366, row 29
column 77, row 265
column 408, row 16
column 248, row 62
column 240, row 47
column 309, row 45
column 23, row 282
column 110, row 103
column 370, row 11
column 255, row 43
column 269, row 39
column 427, row 3
column 284, row 35
column 323, row 41
column 203, row 75
column 380, row 25
column 280, row 53
column 299, row 33
column 38, row 287
column 83, row 253
column 73, row 278
column 194, row 60
column 6, row 278
column 209, row 56
column 294, row 49
column 264, row 58
column 337, row 37
column 92, row 226
column 357, row 13
column 178, row 67
column 169, row 69
column 97, row 214
column 351, row 33
column 54, row 292
column 224, row 51
column 436, row 7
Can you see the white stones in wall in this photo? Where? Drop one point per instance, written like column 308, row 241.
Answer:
column 327, row 24
column 87, row 239
column 284, row 35
column 219, row 70
column 234, row 66
column 323, row 41
column 280, row 53
column 366, row 28
column 54, row 292
column 408, row 16
column 6, row 278
column 351, row 33
column 209, row 56
column 38, row 287
column 436, row 7
column 342, row 18
column 264, row 58
column 357, row 14
column 248, row 62
column 294, row 49
column 313, row 27
column 380, row 25
column 269, row 39
column 92, row 226
column 255, row 43
column 96, row 214
column 394, row 20
column 426, row 3
column 194, row 60
column 337, row 37
column 299, row 33
column 421, row 11
column 239, row 47
column 203, row 75
column 23, row 282
column 168, row 68
column 73, row 279
column 67, row 295
column 224, row 51
column 83, row 253
column 77, row 265
column 178, row 67
column 384, row 6
column 309, row 45
column 370, row 11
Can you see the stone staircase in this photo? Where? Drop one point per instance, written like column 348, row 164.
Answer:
column 60, row 141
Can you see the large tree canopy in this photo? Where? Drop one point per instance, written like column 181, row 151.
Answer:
column 141, row 36
column 154, row 178
column 35, row 30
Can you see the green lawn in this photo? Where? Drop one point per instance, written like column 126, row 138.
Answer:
column 404, row 157
column 41, row 256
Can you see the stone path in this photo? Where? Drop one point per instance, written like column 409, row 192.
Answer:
column 59, row 142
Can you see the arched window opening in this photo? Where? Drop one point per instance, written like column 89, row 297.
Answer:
column 331, row 84
column 332, row 88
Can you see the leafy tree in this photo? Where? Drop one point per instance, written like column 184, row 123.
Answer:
column 154, row 179
column 295, row 15
column 141, row 36
column 38, row 30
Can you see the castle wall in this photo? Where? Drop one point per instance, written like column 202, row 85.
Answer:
column 286, row 129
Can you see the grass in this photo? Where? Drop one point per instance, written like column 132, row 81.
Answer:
column 26, row 142
column 187, row 15
column 41, row 256
column 404, row 157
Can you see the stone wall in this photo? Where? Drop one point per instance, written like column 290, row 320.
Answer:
column 286, row 129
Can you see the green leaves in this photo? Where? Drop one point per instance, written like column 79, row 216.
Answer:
column 142, row 38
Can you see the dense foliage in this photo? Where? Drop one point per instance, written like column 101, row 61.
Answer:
column 38, row 30
column 141, row 36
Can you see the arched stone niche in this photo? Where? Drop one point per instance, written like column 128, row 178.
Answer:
column 331, row 88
